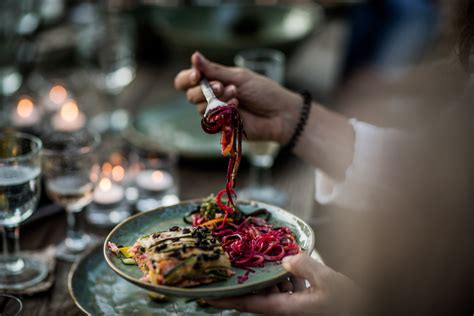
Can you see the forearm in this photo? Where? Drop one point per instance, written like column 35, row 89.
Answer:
column 327, row 142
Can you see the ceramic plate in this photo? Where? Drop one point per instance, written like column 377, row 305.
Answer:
column 173, row 125
column 97, row 290
column 162, row 219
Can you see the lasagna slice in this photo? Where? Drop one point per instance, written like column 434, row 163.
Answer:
column 181, row 257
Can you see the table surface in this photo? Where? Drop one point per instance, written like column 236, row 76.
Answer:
column 196, row 179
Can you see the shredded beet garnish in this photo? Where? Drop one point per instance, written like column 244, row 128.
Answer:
column 226, row 119
column 242, row 278
column 254, row 242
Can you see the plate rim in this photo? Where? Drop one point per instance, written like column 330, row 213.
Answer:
column 196, row 291
column 73, row 270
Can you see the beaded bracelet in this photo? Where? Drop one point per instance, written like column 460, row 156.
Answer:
column 307, row 99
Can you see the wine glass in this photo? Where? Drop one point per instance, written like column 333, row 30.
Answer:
column 70, row 172
column 261, row 154
column 106, row 46
column 10, row 305
column 20, row 170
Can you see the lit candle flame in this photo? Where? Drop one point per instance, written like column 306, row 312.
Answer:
column 118, row 173
column 69, row 111
column 105, row 184
column 24, row 107
column 58, row 94
column 106, row 168
column 157, row 176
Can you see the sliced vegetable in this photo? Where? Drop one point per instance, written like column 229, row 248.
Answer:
column 216, row 221
column 125, row 251
column 129, row 261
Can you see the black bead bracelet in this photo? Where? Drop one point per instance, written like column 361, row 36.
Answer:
column 307, row 100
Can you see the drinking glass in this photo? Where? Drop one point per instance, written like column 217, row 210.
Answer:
column 105, row 40
column 20, row 170
column 261, row 154
column 10, row 305
column 70, row 171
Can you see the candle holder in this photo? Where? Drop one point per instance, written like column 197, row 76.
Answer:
column 109, row 205
column 156, row 183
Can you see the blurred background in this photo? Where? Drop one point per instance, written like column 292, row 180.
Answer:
column 107, row 66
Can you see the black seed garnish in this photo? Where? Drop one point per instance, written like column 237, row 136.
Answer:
column 174, row 228
column 186, row 231
column 160, row 247
column 176, row 254
column 196, row 266
column 156, row 235
column 142, row 249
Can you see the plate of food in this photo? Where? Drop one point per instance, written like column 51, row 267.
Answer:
column 193, row 249
column 97, row 290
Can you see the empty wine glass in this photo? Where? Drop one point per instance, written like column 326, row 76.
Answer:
column 106, row 47
column 262, row 154
column 70, row 171
column 20, row 170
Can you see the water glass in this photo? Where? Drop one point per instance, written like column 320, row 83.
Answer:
column 261, row 154
column 10, row 305
column 70, row 170
column 20, row 170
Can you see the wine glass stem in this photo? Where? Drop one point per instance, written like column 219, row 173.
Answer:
column 75, row 233
column 261, row 176
column 11, row 263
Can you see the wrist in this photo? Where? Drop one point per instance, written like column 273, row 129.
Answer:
column 290, row 117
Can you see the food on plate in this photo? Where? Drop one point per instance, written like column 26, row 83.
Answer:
column 181, row 257
column 247, row 239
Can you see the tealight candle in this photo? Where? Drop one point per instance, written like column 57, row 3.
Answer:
column 108, row 193
column 154, row 180
column 55, row 98
column 25, row 113
column 69, row 118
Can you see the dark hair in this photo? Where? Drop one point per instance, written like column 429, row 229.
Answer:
column 466, row 36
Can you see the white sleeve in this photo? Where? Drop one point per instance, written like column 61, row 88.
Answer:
column 373, row 178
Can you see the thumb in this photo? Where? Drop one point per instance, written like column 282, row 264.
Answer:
column 214, row 71
column 302, row 266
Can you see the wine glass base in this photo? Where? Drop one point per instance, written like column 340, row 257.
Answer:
column 33, row 272
column 70, row 250
column 266, row 194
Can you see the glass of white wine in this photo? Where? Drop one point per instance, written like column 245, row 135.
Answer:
column 70, row 170
column 20, row 170
column 262, row 154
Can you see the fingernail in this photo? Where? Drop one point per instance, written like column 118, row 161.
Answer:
column 193, row 76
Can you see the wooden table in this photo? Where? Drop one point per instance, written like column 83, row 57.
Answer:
column 196, row 179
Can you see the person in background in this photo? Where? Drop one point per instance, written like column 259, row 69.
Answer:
column 408, row 240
